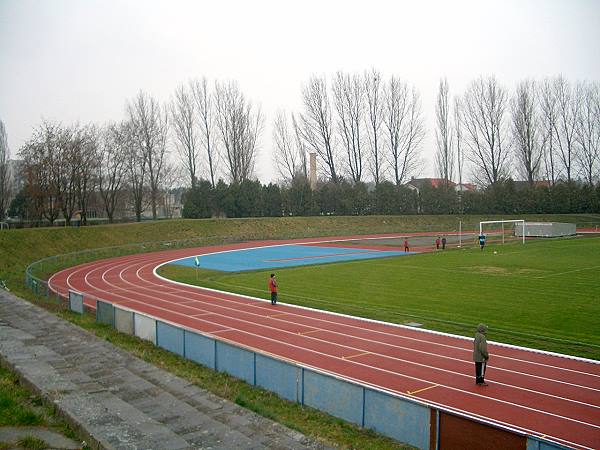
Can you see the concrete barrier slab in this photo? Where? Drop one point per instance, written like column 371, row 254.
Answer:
column 170, row 338
column 280, row 377
column 105, row 313
column 336, row 397
column 200, row 349
column 76, row 302
column 235, row 361
column 399, row 419
column 124, row 321
column 144, row 327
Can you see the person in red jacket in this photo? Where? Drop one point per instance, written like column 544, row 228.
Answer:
column 437, row 243
column 406, row 245
column 273, row 289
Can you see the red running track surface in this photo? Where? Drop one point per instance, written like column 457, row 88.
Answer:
column 541, row 394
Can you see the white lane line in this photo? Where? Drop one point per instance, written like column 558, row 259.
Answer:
column 143, row 267
column 374, row 368
column 160, row 258
column 144, row 288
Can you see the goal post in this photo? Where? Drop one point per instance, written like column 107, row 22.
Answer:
column 518, row 222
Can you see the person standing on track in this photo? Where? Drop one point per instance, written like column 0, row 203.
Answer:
column 406, row 245
column 273, row 289
column 437, row 243
column 480, row 354
column 444, row 243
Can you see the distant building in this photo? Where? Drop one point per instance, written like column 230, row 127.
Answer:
column 417, row 184
column 465, row 187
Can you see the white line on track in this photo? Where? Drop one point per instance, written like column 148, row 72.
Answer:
column 348, row 361
column 126, row 290
column 121, row 276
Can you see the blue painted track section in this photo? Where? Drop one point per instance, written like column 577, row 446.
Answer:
column 282, row 256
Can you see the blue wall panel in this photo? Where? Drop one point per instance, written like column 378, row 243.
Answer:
column 400, row 419
column 279, row 377
column 169, row 337
column 105, row 313
column 538, row 444
column 333, row 396
column 200, row 349
column 235, row 361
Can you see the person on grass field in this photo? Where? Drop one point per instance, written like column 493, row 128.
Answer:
column 406, row 245
column 273, row 289
column 480, row 354
column 482, row 240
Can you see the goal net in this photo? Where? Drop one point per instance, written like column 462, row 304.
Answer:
column 501, row 231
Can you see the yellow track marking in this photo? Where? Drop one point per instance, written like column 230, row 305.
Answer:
column 421, row 390
column 302, row 333
column 356, row 356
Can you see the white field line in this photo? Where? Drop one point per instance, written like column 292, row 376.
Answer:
column 466, row 414
column 338, row 358
column 568, row 271
column 319, row 340
column 439, row 333
column 333, row 314
column 401, row 337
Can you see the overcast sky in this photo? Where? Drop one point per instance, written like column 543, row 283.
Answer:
column 80, row 60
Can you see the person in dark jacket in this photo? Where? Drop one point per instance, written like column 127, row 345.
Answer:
column 480, row 354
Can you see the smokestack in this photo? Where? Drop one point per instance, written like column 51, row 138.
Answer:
column 313, row 171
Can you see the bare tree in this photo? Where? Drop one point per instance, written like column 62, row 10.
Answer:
column 317, row 124
column 136, row 173
column 44, row 170
column 183, row 118
column 458, row 140
column 289, row 155
column 206, row 118
column 549, row 119
column 405, row 128
column 568, row 104
column 375, row 112
column 349, row 100
column 588, row 131
column 526, row 130
column 4, row 172
column 150, row 126
column 239, row 125
column 444, row 157
column 87, row 157
column 115, row 141
column 485, row 103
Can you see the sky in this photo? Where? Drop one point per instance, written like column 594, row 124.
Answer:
column 81, row 60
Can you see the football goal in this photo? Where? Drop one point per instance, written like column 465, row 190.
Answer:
column 502, row 229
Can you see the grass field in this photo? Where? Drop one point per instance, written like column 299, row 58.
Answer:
column 19, row 248
column 544, row 294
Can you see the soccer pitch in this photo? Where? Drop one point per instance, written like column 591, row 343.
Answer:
column 544, row 294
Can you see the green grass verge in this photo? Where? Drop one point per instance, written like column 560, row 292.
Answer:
column 306, row 420
column 20, row 407
column 19, row 248
column 544, row 294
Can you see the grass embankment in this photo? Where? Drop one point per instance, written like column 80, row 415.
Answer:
column 19, row 248
column 18, row 407
column 544, row 294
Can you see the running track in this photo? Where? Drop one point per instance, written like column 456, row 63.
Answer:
column 540, row 394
